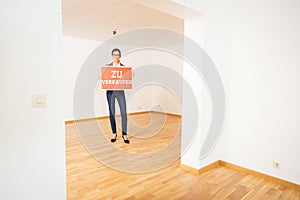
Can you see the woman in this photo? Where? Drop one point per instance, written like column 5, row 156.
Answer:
column 112, row 95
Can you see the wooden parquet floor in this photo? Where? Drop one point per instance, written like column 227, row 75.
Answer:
column 89, row 179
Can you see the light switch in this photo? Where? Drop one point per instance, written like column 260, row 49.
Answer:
column 39, row 101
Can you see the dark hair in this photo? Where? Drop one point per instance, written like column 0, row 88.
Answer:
column 116, row 49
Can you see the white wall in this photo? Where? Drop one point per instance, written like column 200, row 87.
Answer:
column 211, row 32
column 152, row 96
column 77, row 50
column 32, row 142
column 264, row 99
column 255, row 46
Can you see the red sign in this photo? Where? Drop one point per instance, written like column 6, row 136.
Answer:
column 116, row 78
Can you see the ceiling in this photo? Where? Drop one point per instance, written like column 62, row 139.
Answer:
column 96, row 19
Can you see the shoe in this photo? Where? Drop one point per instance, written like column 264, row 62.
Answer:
column 126, row 141
column 114, row 139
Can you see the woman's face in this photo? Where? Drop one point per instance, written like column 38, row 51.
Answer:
column 116, row 56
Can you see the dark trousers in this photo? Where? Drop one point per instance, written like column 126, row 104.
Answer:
column 112, row 95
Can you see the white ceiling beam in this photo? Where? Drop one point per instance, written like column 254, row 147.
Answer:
column 168, row 7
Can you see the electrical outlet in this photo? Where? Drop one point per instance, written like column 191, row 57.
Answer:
column 140, row 107
column 276, row 164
